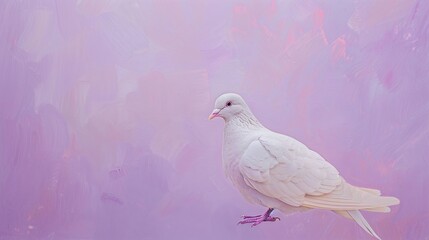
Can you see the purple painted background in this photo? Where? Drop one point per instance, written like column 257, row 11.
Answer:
column 104, row 104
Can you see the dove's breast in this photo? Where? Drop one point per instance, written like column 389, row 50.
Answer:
column 234, row 146
column 236, row 141
column 231, row 153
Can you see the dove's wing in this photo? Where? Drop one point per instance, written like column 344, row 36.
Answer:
column 283, row 168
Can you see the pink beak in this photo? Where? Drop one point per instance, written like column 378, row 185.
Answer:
column 214, row 114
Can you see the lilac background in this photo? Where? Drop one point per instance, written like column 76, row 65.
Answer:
column 104, row 104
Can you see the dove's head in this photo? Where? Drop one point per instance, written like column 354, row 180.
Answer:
column 228, row 105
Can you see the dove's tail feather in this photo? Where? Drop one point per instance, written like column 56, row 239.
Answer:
column 347, row 197
column 382, row 204
column 378, row 209
column 371, row 190
column 389, row 200
column 345, row 214
column 359, row 219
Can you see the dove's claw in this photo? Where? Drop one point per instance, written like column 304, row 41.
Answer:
column 256, row 220
column 246, row 217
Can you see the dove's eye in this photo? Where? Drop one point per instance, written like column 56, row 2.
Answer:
column 228, row 104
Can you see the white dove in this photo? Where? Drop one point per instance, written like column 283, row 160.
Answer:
column 279, row 172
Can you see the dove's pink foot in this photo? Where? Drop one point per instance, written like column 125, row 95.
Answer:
column 255, row 220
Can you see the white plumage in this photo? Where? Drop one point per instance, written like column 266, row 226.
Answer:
column 279, row 172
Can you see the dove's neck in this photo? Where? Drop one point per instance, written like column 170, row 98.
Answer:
column 239, row 129
column 243, row 121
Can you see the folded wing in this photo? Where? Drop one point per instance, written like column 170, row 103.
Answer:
column 283, row 168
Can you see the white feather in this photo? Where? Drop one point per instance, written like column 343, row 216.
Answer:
column 357, row 216
column 277, row 171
